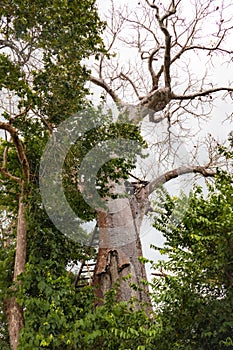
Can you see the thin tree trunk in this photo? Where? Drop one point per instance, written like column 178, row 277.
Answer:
column 13, row 310
column 21, row 241
column 14, row 314
column 118, row 264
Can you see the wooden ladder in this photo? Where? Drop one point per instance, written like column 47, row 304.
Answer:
column 86, row 271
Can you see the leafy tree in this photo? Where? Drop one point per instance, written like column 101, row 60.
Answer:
column 42, row 82
column 193, row 294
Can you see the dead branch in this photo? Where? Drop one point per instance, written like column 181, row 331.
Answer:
column 125, row 77
column 172, row 174
column 178, row 36
column 167, row 53
column 107, row 88
column 159, row 274
column 155, row 77
column 200, row 93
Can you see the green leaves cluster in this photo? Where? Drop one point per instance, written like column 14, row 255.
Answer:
column 70, row 321
column 104, row 138
column 43, row 45
column 194, row 298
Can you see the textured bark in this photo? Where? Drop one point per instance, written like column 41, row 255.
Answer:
column 118, row 262
column 21, row 241
column 13, row 310
column 14, row 314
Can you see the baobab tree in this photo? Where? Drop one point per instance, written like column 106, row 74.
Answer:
column 159, row 82
column 42, row 83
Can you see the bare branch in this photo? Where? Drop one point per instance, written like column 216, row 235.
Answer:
column 25, row 111
column 167, row 54
column 153, row 6
column 203, row 48
column 200, row 93
column 159, row 274
column 125, row 77
column 161, row 37
column 155, row 77
column 169, row 175
column 107, row 88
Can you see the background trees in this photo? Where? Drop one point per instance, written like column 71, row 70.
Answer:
column 193, row 293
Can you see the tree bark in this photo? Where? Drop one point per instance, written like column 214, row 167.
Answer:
column 14, row 314
column 21, row 240
column 118, row 264
column 120, row 245
column 13, row 310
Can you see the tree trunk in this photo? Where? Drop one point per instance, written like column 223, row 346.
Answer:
column 13, row 310
column 21, row 240
column 14, row 314
column 118, row 264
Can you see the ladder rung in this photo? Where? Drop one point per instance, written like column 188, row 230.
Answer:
column 87, row 269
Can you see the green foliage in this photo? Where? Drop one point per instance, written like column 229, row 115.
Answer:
column 42, row 82
column 115, row 326
column 68, row 320
column 106, row 139
column 42, row 76
column 194, row 299
column 51, row 309
column 46, row 42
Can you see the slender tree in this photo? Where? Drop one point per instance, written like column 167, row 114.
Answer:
column 42, row 82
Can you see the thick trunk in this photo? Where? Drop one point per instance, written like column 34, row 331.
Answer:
column 13, row 310
column 118, row 262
